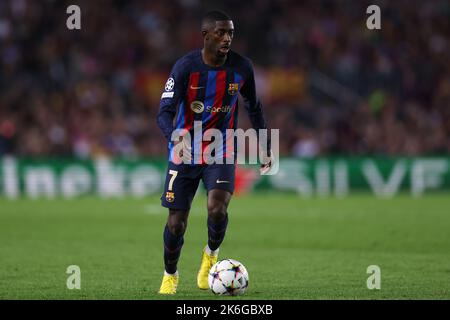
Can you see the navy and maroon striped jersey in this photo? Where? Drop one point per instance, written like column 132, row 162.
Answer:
column 210, row 95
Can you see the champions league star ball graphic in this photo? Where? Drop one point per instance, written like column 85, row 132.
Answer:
column 228, row 277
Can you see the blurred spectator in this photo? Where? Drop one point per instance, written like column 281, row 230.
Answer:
column 330, row 85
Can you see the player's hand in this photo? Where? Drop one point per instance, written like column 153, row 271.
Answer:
column 180, row 154
column 267, row 163
column 184, row 153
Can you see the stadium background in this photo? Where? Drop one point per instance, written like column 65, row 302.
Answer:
column 362, row 114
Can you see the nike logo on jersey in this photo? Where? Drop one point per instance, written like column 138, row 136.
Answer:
column 222, row 181
column 196, row 88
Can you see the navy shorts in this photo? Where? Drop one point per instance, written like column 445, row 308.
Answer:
column 182, row 182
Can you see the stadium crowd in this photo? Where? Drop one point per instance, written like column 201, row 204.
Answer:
column 329, row 84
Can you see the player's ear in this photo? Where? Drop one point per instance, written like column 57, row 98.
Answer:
column 204, row 33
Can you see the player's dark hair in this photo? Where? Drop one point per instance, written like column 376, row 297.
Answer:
column 212, row 16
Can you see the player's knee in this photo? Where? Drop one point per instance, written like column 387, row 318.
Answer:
column 217, row 212
column 177, row 228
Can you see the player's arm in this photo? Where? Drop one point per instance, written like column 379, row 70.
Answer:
column 174, row 90
column 251, row 102
column 255, row 112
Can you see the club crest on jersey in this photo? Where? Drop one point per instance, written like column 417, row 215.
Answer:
column 170, row 196
column 233, row 88
column 197, row 106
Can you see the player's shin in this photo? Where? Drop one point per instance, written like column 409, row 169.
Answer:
column 216, row 233
column 172, row 249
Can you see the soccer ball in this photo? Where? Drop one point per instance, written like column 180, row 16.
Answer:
column 228, row 277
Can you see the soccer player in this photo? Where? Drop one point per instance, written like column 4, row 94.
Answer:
column 203, row 86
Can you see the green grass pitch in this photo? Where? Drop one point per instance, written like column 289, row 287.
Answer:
column 293, row 248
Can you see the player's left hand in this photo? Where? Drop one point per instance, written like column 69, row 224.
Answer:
column 182, row 151
column 267, row 163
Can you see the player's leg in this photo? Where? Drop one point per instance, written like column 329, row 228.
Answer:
column 173, row 242
column 217, row 221
column 218, row 201
column 219, row 181
column 174, row 238
column 179, row 190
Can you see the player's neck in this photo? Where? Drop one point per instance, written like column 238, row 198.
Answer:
column 212, row 59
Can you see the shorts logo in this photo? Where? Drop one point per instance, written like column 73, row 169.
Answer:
column 233, row 88
column 170, row 84
column 170, row 196
column 197, row 106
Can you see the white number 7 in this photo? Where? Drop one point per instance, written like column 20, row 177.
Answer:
column 173, row 174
